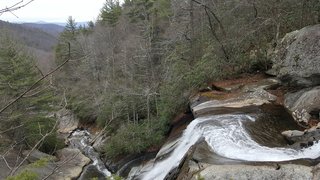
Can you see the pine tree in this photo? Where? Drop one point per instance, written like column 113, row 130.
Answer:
column 71, row 26
column 111, row 12
column 17, row 73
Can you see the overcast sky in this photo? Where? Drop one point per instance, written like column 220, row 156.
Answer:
column 53, row 10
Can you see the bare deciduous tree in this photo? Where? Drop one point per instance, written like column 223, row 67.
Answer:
column 16, row 6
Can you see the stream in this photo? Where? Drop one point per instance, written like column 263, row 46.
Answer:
column 80, row 139
column 253, row 137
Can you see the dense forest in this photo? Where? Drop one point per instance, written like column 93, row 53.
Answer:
column 134, row 69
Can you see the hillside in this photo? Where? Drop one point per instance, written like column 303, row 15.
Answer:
column 32, row 37
column 39, row 39
column 52, row 29
column 165, row 89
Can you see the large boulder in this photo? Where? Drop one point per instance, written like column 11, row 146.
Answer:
column 67, row 121
column 302, row 103
column 73, row 162
column 297, row 57
column 302, row 139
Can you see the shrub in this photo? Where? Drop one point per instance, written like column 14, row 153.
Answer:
column 135, row 138
column 39, row 126
column 24, row 175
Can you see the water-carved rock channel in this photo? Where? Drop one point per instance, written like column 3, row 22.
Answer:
column 80, row 139
column 242, row 132
column 247, row 136
column 245, row 130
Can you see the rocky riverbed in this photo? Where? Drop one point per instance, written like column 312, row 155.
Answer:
column 232, row 136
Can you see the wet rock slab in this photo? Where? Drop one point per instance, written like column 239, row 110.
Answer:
column 245, row 172
column 253, row 94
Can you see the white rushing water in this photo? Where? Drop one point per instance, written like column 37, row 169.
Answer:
column 227, row 137
column 80, row 139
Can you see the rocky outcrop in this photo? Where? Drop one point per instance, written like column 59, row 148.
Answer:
column 244, row 172
column 302, row 103
column 36, row 155
column 297, row 57
column 302, row 139
column 75, row 162
column 69, row 165
column 293, row 135
column 67, row 121
column 8, row 161
column 253, row 94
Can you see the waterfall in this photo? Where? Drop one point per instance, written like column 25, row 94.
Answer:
column 226, row 136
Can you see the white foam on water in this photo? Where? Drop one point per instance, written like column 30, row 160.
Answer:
column 163, row 167
column 227, row 137
column 232, row 141
column 81, row 139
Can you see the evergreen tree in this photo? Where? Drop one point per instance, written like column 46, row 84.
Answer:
column 111, row 12
column 71, row 26
column 17, row 73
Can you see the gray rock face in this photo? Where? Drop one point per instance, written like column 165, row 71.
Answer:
column 293, row 135
column 72, row 161
column 251, row 95
column 298, row 56
column 36, row 155
column 12, row 159
column 244, row 172
column 316, row 172
column 302, row 103
column 303, row 139
column 67, row 121
column 69, row 165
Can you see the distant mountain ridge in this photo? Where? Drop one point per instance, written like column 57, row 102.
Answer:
column 62, row 24
column 52, row 29
column 39, row 39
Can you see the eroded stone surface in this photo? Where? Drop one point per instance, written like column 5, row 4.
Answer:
column 253, row 94
column 245, row 172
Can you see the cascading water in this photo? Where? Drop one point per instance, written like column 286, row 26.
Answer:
column 80, row 139
column 227, row 137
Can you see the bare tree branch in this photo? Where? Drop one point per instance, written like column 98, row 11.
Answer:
column 212, row 13
column 14, row 170
column 12, row 128
column 216, row 36
column 33, row 86
column 15, row 7
column 60, row 166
